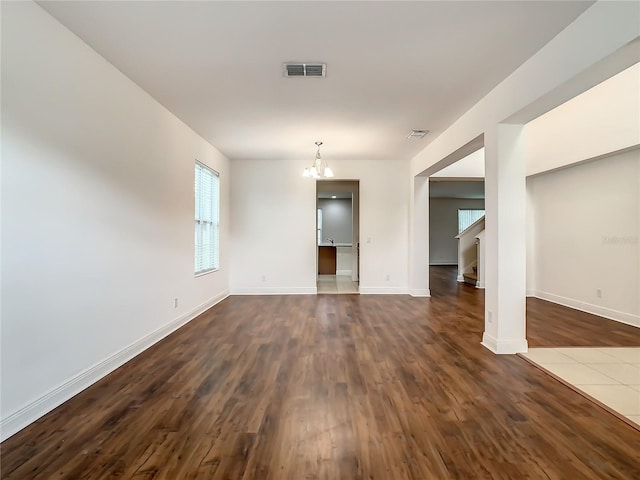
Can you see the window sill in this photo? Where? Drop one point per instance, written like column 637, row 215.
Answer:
column 206, row 272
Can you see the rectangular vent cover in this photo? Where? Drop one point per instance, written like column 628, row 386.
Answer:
column 304, row 69
column 417, row 133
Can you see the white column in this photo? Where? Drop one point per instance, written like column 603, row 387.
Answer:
column 419, row 237
column 505, row 250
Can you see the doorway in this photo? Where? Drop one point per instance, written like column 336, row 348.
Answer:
column 337, row 236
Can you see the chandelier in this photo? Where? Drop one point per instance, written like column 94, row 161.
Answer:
column 318, row 169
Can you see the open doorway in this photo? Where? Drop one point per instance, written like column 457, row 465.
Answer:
column 456, row 228
column 456, row 221
column 337, row 236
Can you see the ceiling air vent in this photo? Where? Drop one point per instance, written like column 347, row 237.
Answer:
column 417, row 134
column 304, row 69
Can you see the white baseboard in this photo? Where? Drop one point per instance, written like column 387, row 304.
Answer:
column 420, row 292
column 74, row 385
column 505, row 346
column 480, row 285
column 383, row 290
column 622, row 317
column 344, row 272
column 530, row 293
column 460, row 278
column 275, row 291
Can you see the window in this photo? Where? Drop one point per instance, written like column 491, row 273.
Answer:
column 467, row 217
column 207, row 219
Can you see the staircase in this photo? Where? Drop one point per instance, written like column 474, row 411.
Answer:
column 471, row 254
column 471, row 277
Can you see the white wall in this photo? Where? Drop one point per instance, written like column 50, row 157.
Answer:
column 443, row 228
column 601, row 120
column 97, row 217
column 530, row 241
column 273, row 225
column 337, row 219
column 273, row 228
column 344, row 261
column 471, row 166
column 586, row 234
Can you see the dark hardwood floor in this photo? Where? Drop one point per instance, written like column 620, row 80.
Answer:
column 335, row 387
column 552, row 325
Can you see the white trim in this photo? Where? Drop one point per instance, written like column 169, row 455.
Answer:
column 206, row 272
column 505, row 347
column 460, row 278
column 420, row 292
column 275, row 291
column 489, row 342
column 530, row 293
column 383, row 290
column 74, row 385
column 622, row 317
column 480, row 285
column 443, row 264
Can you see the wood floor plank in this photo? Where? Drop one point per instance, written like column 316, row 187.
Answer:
column 338, row 387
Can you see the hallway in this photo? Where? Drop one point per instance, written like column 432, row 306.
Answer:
column 336, row 284
column 331, row 386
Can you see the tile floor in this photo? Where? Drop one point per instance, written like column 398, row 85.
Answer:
column 336, row 284
column 611, row 375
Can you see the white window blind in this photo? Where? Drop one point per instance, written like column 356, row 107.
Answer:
column 207, row 219
column 467, row 217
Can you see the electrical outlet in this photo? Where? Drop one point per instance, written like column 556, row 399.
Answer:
column 264, row 278
column 368, row 239
column 387, row 277
column 175, row 303
column 599, row 292
column 490, row 317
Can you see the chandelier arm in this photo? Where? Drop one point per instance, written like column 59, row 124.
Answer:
column 317, row 168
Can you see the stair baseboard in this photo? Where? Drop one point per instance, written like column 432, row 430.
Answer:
column 470, row 278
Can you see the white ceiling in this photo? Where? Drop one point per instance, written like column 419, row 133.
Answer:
column 391, row 66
